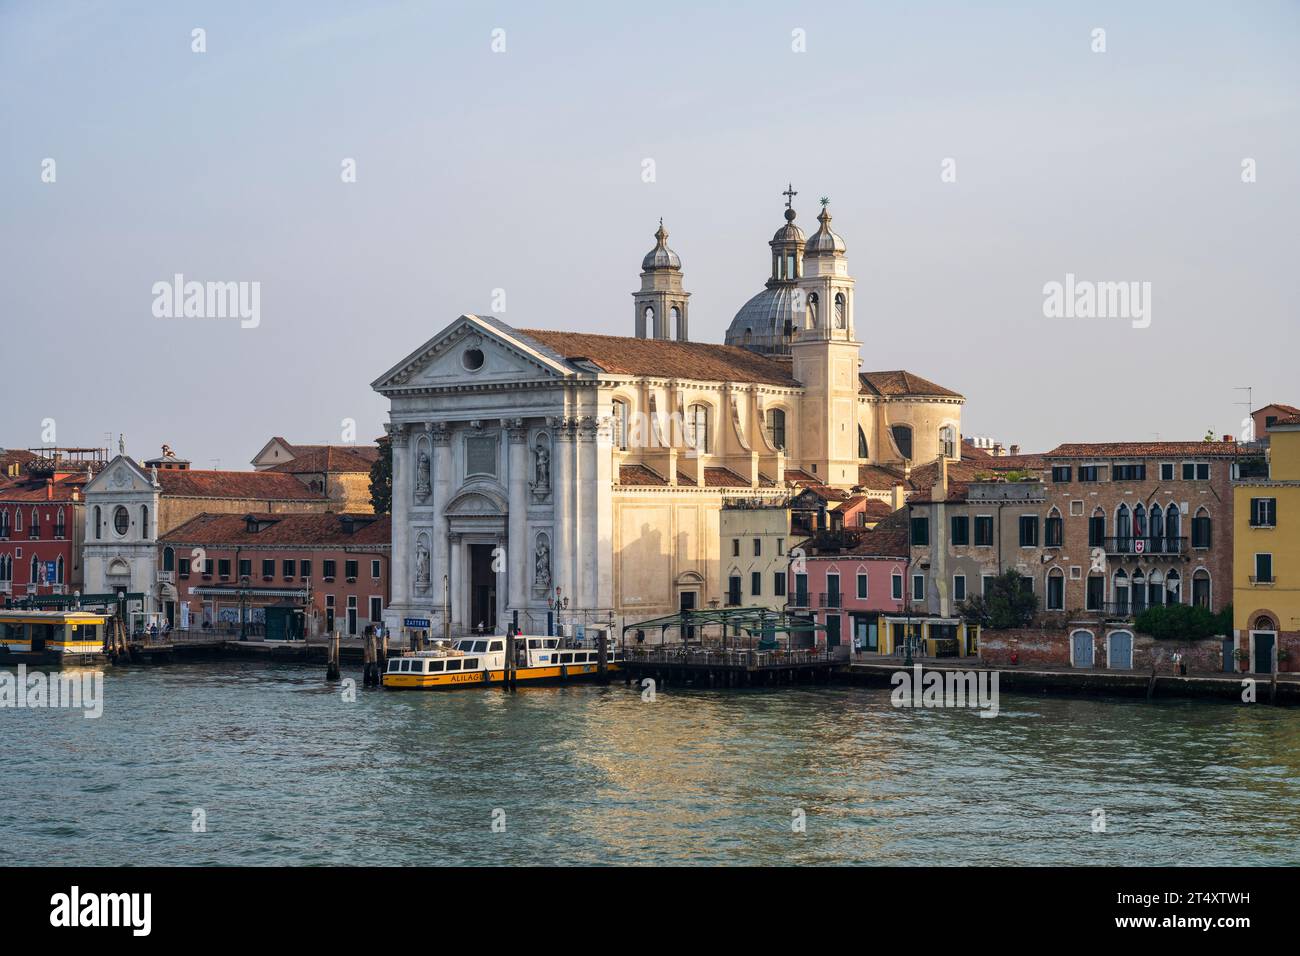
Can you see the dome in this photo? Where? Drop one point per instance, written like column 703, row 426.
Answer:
column 760, row 323
column 824, row 241
column 789, row 232
column 660, row 257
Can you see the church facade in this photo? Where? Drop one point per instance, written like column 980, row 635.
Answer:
column 579, row 478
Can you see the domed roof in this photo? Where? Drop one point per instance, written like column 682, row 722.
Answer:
column 760, row 323
column 825, row 241
column 660, row 257
column 789, row 232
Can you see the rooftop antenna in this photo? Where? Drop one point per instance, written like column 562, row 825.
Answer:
column 1250, row 407
column 216, row 463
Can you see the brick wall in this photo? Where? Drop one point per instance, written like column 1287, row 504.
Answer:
column 1051, row 647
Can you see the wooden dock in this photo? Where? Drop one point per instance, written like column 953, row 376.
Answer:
column 704, row 666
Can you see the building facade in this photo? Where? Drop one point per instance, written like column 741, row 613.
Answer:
column 755, row 534
column 543, row 475
column 1266, row 540
column 41, row 527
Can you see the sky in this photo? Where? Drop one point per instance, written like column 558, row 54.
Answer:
column 526, row 168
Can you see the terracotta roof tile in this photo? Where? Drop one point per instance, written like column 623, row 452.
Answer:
column 333, row 458
column 265, row 485
column 900, row 382
column 665, row 358
column 639, row 475
column 33, row 489
column 1145, row 449
column 305, row 530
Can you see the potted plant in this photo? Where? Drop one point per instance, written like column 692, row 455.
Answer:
column 1283, row 655
column 1242, row 656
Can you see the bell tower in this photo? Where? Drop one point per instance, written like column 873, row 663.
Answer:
column 826, row 357
column 660, row 303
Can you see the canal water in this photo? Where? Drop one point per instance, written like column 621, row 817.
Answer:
column 283, row 770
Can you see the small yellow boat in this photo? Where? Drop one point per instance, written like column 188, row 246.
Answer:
column 481, row 661
column 56, row 637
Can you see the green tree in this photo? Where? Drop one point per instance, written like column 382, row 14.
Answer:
column 381, row 479
column 1186, row 622
column 1010, row 602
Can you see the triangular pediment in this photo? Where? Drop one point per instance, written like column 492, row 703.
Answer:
column 120, row 476
column 473, row 351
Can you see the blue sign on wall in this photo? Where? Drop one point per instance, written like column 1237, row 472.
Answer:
column 416, row 622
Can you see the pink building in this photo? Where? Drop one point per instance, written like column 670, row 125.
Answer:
column 849, row 581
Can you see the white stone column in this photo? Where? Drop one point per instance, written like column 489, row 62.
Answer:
column 603, row 503
column 439, row 560
column 518, row 547
column 399, row 573
column 562, row 486
column 456, row 568
column 585, row 448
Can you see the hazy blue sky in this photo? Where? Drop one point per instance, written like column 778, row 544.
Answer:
column 522, row 170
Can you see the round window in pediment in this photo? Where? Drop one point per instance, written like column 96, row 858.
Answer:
column 472, row 359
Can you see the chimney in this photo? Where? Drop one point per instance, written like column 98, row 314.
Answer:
column 1015, row 450
column 49, row 489
column 997, row 449
column 939, row 490
column 899, row 496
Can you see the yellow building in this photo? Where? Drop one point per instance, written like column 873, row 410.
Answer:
column 1266, row 557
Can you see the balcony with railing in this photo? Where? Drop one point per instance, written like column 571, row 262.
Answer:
column 1145, row 544
column 1263, row 581
column 830, row 599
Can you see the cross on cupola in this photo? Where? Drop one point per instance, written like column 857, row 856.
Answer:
column 789, row 194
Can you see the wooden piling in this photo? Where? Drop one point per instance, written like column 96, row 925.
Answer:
column 602, row 660
column 332, row 671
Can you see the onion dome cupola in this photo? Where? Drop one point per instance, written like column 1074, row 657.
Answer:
column 660, row 303
column 825, row 241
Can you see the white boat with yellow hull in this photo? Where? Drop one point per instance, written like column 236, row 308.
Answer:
column 481, row 661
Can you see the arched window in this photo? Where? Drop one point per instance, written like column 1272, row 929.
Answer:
column 144, row 521
column 169, row 559
column 59, row 579
column 1265, row 623
column 862, row 444
column 1201, row 588
column 903, row 439
column 60, row 526
column 98, row 523
column 649, row 318
column 4, row 524
column 1056, row 590
column 1201, row 528
column 1173, row 518
column 948, row 441
column 1155, row 589
column 841, row 322
column 121, row 520
column 1053, row 529
column 6, row 568
column 1140, row 521
column 1120, row 591
column 1123, row 529
column 1173, row 588
column 812, row 310
column 620, row 424
column 35, row 577
column 677, row 323
column 1157, row 530
column 34, row 531
column 776, row 427
column 697, row 428
column 749, row 336
column 1139, row 591
column 18, row 521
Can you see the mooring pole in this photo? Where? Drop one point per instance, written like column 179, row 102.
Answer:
column 602, row 659
column 332, row 666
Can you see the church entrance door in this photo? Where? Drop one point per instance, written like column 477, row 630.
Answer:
column 482, row 589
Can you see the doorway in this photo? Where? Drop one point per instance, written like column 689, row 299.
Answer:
column 1228, row 662
column 1262, row 642
column 686, row 602
column 1081, row 648
column 1121, row 651
column 482, row 590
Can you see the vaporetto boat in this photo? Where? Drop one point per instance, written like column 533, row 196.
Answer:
column 481, row 661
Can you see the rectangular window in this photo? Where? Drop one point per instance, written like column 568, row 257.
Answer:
column 959, row 587
column 289, row 568
column 245, row 567
column 733, row 589
column 183, row 567
column 896, row 586
column 1263, row 512
column 1089, row 473
column 1054, row 531
column 780, row 547
column 1263, row 569
column 374, row 569
column 918, row 587
column 735, row 547
column 986, row 584
column 329, row 567
column 921, row 531
column 983, row 531
column 350, row 567
column 1096, row 589
column 1196, row 471
column 801, row 590
column 758, row 547
column 961, row 529
column 862, row 585
column 376, row 609
column 1061, row 474
column 1130, row 472
column 1201, row 531
column 1166, row 471
column 832, row 590
column 778, row 584
column 223, row 567
column 1029, row 531
column 756, row 583
column 268, row 567
column 304, row 569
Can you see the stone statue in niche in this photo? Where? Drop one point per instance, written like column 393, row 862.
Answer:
column 543, row 468
column 421, row 566
column 422, row 475
column 542, row 565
